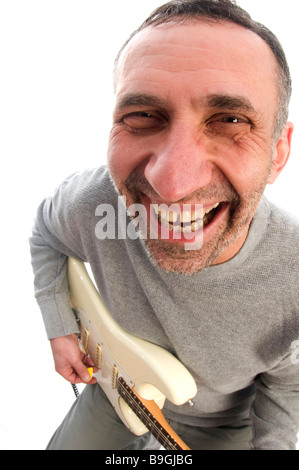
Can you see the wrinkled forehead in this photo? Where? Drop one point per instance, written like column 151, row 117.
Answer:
column 195, row 43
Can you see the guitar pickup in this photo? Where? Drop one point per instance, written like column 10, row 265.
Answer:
column 85, row 337
column 114, row 377
column 99, row 357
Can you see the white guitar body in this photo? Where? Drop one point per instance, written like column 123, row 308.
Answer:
column 152, row 372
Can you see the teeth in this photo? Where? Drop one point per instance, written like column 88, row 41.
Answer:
column 177, row 228
column 211, row 208
column 192, row 219
column 184, row 216
column 188, row 216
column 196, row 226
column 172, row 216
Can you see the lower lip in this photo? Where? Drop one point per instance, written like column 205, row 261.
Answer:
column 168, row 235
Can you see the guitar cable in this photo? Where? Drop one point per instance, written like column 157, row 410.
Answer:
column 76, row 391
column 75, row 388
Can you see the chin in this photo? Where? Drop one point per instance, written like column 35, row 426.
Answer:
column 174, row 259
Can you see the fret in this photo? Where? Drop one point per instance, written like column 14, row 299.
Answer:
column 146, row 416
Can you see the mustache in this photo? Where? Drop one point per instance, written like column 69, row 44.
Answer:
column 220, row 190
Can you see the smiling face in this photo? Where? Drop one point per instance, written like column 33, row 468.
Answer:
column 193, row 124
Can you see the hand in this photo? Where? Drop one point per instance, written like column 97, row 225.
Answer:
column 70, row 361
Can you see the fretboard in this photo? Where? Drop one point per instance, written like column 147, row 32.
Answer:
column 146, row 417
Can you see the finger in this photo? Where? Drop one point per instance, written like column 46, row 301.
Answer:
column 89, row 362
column 82, row 372
column 76, row 379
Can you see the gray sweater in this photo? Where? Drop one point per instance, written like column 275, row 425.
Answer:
column 234, row 326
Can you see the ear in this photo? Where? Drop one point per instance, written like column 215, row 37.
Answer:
column 282, row 152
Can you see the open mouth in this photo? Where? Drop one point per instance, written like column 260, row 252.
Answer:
column 186, row 219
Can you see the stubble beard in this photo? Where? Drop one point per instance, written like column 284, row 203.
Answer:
column 174, row 258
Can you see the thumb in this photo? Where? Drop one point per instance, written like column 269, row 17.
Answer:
column 83, row 372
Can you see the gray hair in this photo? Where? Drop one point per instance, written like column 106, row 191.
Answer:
column 227, row 10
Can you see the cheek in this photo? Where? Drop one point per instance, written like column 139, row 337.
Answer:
column 125, row 153
column 244, row 161
column 119, row 155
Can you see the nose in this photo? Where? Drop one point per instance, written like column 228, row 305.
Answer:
column 179, row 164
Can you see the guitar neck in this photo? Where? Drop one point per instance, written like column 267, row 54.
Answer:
column 151, row 416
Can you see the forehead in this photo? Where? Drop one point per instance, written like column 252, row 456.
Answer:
column 197, row 55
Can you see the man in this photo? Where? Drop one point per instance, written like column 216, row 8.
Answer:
column 200, row 120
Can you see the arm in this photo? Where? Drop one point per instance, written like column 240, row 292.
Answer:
column 50, row 283
column 275, row 412
column 52, row 294
column 54, row 238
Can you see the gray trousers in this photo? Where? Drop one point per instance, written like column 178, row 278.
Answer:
column 92, row 424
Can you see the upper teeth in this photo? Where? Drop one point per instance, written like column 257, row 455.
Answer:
column 178, row 214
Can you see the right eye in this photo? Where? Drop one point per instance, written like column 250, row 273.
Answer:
column 142, row 120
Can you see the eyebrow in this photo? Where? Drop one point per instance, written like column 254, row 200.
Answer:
column 216, row 101
column 142, row 99
column 230, row 102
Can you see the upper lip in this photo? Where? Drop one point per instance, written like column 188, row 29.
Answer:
column 182, row 203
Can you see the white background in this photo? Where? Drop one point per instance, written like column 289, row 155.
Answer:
column 56, row 59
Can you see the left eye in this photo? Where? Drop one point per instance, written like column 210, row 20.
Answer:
column 228, row 124
column 231, row 120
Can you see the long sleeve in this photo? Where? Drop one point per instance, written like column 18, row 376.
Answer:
column 58, row 232
column 275, row 414
column 51, row 287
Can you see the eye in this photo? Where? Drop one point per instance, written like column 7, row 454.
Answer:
column 231, row 120
column 228, row 124
column 142, row 120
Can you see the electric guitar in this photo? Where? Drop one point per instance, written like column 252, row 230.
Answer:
column 136, row 375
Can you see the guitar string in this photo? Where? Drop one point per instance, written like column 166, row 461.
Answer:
column 157, row 433
column 146, row 416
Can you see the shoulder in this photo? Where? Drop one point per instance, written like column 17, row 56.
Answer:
column 87, row 188
column 78, row 196
column 282, row 234
column 88, row 182
column 281, row 220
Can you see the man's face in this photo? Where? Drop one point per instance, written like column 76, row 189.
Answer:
column 193, row 124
